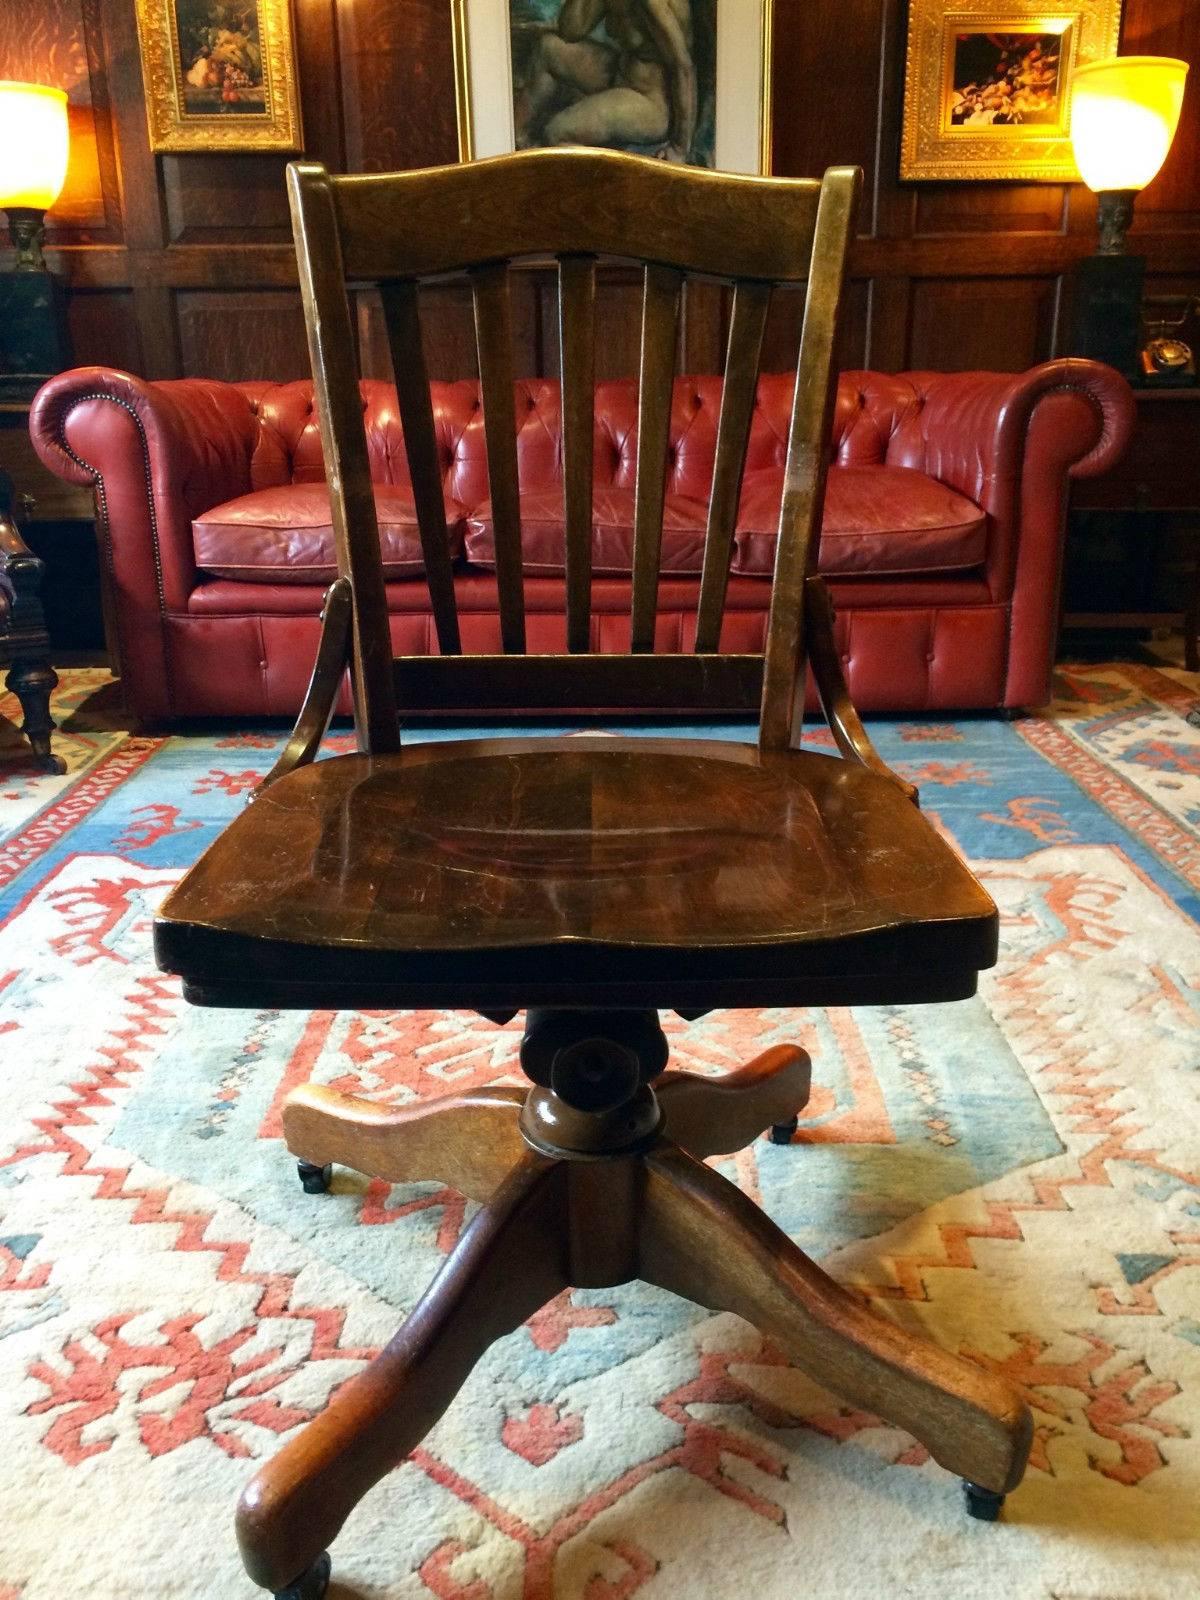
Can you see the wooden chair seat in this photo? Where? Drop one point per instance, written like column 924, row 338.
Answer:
column 503, row 873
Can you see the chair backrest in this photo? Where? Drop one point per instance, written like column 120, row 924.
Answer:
column 575, row 205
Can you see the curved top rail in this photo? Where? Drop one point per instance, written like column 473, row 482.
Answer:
column 573, row 201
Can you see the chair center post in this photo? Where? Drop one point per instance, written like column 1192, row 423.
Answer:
column 592, row 1072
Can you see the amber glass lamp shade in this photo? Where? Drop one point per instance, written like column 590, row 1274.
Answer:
column 33, row 145
column 33, row 160
column 1124, row 112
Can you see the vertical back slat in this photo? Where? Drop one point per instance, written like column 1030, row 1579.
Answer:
column 577, row 366
column 493, row 340
column 660, row 314
column 747, row 321
column 401, row 312
column 343, row 441
column 804, row 473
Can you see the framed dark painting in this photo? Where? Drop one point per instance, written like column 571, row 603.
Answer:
column 987, row 91
column 219, row 74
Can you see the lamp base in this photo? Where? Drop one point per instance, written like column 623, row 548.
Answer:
column 1107, row 318
column 34, row 339
column 1113, row 217
column 27, row 228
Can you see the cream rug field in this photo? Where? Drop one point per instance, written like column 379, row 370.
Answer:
column 1017, row 1175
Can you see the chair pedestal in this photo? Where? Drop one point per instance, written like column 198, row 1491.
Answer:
column 592, row 1178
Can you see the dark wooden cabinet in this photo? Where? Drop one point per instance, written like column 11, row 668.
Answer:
column 41, row 497
column 1133, row 557
column 57, row 521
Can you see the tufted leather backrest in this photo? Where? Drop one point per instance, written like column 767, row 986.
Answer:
column 876, row 421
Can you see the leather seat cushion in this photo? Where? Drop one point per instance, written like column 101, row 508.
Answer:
column 877, row 520
column 285, row 535
column 543, row 536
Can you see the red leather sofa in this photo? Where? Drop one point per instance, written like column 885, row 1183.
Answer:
column 942, row 540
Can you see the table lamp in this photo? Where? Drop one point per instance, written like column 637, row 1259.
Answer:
column 1124, row 112
column 33, row 166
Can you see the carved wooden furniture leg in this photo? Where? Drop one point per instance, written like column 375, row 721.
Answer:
column 703, row 1239
column 510, row 1261
column 24, row 642
column 469, row 1141
column 716, row 1116
column 33, row 682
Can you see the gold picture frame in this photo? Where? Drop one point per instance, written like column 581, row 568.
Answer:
column 219, row 75
column 987, row 88
column 487, row 86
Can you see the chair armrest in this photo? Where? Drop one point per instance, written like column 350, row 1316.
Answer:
column 157, row 454
column 333, row 658
column 852, row 739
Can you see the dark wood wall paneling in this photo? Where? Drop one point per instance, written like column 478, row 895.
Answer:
column 183, row 265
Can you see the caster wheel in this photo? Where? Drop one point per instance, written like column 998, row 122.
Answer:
column 983, row 1504
column 310, row 1585
column 783, row 1132
column 314, row 1180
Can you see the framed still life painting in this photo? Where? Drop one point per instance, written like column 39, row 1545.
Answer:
column 678, row 80
column 987, row 90
column 219, row 74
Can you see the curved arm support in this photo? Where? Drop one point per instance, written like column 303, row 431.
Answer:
column 333, row 657
column 849, row 735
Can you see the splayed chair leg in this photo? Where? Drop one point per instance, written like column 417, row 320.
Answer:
column 716, row 1116
column 468, row 1141
column 703, row 1239
column 507, row 1265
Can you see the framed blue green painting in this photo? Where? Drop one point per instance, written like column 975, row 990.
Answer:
column 678, row 80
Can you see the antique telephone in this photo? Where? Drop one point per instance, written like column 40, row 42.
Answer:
column 1166, row 360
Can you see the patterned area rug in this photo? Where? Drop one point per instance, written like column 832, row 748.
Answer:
column 1017, row 1175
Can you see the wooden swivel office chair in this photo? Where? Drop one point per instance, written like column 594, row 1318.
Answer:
column 590, row 881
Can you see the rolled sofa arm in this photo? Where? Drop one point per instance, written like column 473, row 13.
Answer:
column 977, row 427
column 158, row 455
column 1011, row 443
